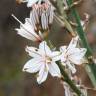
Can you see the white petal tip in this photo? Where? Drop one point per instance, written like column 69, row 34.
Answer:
column 73, row 71
column 29, row 5
column 39, row 82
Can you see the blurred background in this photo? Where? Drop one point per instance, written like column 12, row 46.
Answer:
column 13, row 82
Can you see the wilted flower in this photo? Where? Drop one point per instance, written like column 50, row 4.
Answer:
column 72, row 55
column 26, row 30
column 82, row 87
column 68, row 91
column 43, row 61
column 85, row 22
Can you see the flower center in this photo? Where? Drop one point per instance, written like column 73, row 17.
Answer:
column 48, row 60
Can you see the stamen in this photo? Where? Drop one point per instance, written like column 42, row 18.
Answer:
column 16, row 19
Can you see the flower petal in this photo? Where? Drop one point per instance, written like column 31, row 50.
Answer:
column 33, row 65
column 43, row 73
column 54, row 70
column 73, row 42
column 25, row 34
column 56, row 56
column 45, row 49
column 31, row 2
column 63, row 58
column 33, row 52
column 26, row 30
column 63, row 49
column 76, row 55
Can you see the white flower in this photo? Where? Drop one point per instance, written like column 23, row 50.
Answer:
column 29, row 2
column 43, row 61
column 72, row 55
column 26, row 30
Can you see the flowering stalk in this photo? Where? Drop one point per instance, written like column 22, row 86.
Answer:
column 45, row 61
column 90, row 68
column 68, row 80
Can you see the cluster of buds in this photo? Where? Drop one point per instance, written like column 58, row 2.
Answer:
column 42, row 16
column 43, row 58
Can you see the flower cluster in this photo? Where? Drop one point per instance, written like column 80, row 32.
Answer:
column 44, row 59
column 37, row 26
column 42, row 13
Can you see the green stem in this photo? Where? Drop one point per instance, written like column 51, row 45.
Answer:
column 80, row 31
column 90, row 67
column 64, row 17
column 69, row 81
